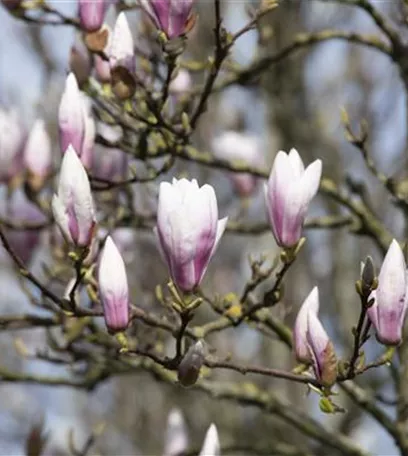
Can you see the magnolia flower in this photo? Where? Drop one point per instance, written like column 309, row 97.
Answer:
column 190, row 366
column 121, row 49
column 312, row 344
column 73, row 206
column 38, row 154
column 289, row 190
column 11, row 145
column 311, row 304
column 387, row 314
column 176, row 439
column 92, row 14
column 233, row 145
column 188, row 230
column 211, row 445
column 321, row 349
column 76, row 125
column 113, row 287
column 172, row 17
column 122, row 60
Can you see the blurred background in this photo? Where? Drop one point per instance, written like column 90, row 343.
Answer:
column 296, row 103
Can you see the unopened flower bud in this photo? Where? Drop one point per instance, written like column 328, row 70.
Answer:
column 38, row 155
column 311, row 304
column 92, row 14
column 387, row 314
column 289, row 190
column 122, row 59
column 322, row 352
column 72, row 206
column 211, row 445
column 176, row 439
column 190, row 366
column 75, row 121
column 173, row 17
column 113, row 288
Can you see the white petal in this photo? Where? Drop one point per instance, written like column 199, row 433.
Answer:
column 60, row 216
column 310, row 304
column 392, row 278
column 281, row 178
column 221, row 225
column 121, row 50
column 316, row 335
column 88, row 142
column 311, row 180
column 75, row 191
column 296, row 162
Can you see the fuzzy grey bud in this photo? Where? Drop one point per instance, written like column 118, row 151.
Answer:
column 368, row 274
column 190, row 366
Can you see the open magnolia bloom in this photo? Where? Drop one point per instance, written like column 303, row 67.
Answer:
column 73, row 206
column 188, row 230
column 289, row 190
column 387, row 314
column 122, row 59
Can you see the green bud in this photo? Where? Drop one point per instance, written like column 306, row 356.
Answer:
column 326, row 405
